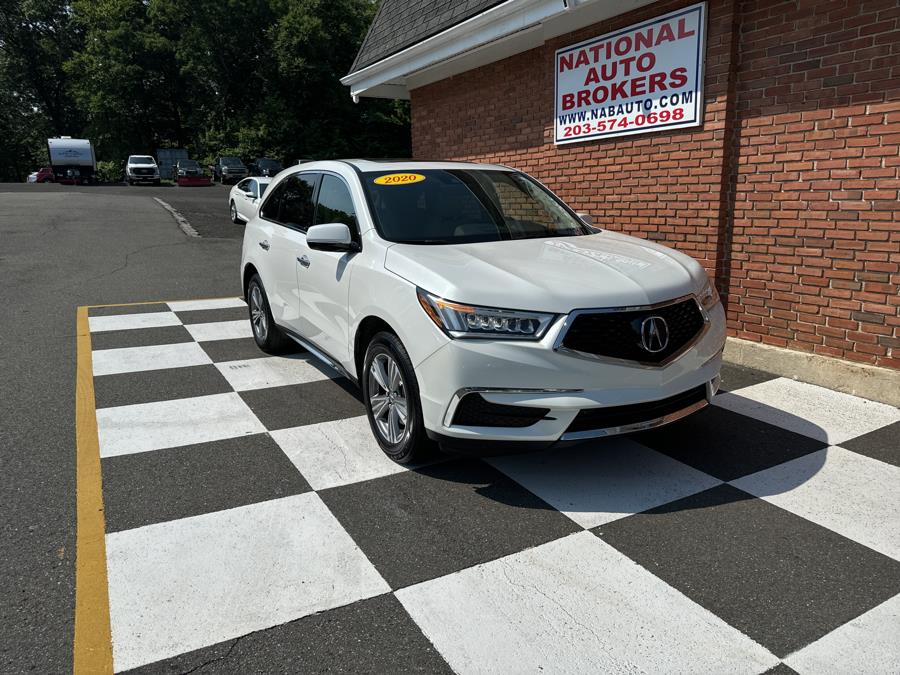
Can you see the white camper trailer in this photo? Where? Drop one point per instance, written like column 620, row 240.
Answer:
column 72, row 160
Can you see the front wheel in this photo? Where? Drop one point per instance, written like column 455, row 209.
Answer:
column 234, row 214
column 391, row 396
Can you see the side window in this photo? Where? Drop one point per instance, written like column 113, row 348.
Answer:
column 251, row 188
column 335, row 205
column 297, row 201
column 244, row 185
column 272, row 204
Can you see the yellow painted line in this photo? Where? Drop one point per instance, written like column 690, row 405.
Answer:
column 93, row 640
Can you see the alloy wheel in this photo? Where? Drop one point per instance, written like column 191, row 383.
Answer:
column 258, row 318
column 387, row 399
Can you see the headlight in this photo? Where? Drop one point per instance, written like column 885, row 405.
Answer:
column 466, row 321
column 709, row 296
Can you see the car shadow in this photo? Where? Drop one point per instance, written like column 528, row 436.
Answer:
column 604, row 479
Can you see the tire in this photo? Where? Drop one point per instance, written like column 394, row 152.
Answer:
column 232, row 209
column 267, row 335
column 404, row 441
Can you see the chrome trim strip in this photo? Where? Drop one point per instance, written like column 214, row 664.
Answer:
column 318, row 353
column 569, row 320
column 458, row 396
column 637, row 426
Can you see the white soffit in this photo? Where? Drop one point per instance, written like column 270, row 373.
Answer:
column 503, row 31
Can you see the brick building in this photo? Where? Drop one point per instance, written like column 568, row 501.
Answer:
column 786, row 188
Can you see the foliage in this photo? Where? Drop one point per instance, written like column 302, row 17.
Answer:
column 109, row 171
column 245, row 77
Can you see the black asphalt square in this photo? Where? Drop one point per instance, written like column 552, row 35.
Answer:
column 158, row 385
column 439, row 519
column 726, row 444
column 239, row 349
column 882, row 444
column 738, row 377
column 782, row 580
column 151, row 487
column 213, row 315
column 369, row 636
column 114, row 310
column 140, row 337
column 300, row 404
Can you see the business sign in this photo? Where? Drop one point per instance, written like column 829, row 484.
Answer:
column 646, row 77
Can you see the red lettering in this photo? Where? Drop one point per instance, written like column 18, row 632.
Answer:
column 565, row 62
column 638, row 86
column 623, row 45
column 646, row 62
column 600, row 94
column 665, row 34
column 592, row 77
column 678, row 77
column 617, row 90
column 584, row 97
column 643, row 40
column 582, row 59
column 683, row 32
column 568, row 101
column 657, row 82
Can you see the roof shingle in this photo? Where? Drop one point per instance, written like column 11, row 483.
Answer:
column 402, row 23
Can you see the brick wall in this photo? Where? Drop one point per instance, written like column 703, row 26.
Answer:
column 788, row 193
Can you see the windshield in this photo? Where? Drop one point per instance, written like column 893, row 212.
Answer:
column 268, row 163
column 188, row 163
column 437, row 206
column 231, row 160
column 140, row 159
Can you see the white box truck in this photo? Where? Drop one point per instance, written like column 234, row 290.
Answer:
column 72, row 160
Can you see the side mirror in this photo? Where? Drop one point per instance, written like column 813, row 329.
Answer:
column 586, row 218
column 330, row 237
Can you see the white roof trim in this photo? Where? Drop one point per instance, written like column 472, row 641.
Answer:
column 507, row 29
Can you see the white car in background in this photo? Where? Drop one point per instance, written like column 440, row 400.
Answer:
column 474, row 308
column 244, row 198
column 141, row 169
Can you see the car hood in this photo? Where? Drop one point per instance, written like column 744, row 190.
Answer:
column 556, row 274
column 134, row 165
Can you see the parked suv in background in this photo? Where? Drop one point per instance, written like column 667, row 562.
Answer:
column 264, row 166
column 44, row 175
column 228, row 169
column 141, row 169
column 472, row 305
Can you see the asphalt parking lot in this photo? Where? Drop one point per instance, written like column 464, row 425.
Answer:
column 236, row 515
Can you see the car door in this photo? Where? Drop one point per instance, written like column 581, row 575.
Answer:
column 288, row 244
column 246, row 198
column 324, row 277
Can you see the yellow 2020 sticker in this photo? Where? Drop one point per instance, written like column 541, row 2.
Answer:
column 399, row 179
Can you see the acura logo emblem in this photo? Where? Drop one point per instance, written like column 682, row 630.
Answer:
column 654, row 334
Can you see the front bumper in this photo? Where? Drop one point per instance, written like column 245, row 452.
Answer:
column 532, row 374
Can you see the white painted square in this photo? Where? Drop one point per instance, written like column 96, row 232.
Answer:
column 185, row 584
column 99, row 324
column 828, row 416
column 211, row 303
column 849, row 493
column 870, row 643
column 220, row 330
column 167, row 424
column 601, row 482
column 575, row 605
column 274, row 371
column 335, row 453
column 156, row 357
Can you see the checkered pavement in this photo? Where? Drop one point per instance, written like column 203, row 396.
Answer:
column 253, row 525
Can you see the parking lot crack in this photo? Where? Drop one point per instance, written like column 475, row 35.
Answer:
column 224, row 657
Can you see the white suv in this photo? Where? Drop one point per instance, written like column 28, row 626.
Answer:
column 471, row 304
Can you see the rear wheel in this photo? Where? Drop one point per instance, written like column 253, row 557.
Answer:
column 391, row 396
column 267, row 335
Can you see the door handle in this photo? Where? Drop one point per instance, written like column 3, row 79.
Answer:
column 264, row 245
column 303, row 261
